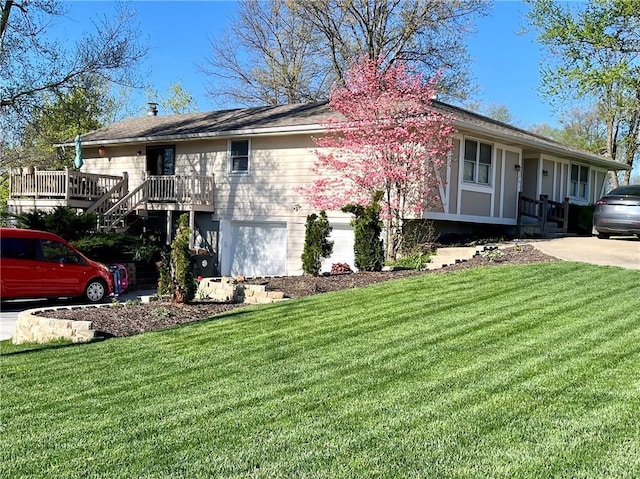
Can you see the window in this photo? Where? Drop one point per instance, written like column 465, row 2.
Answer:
column 239, row 156
column 18, row 248
column 477, row 162
column 579, row 181
column 58, row 253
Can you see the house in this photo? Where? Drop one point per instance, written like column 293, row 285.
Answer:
column 236, row 171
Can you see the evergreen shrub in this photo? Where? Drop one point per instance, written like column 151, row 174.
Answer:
column 368, row 247
column 316, row 243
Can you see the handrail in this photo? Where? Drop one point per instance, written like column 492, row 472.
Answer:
column 69, row 184
column 117, row 192
column 123, row 207
column 544, row 210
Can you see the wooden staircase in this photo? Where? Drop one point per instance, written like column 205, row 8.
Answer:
column 542, row 217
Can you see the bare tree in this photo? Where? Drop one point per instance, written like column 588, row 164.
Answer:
column 268, row 56
column 34, row 64
column 284, row 51
column 429, row 33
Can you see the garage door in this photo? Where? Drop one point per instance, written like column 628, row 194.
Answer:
column 342, row 237
column 257, row 249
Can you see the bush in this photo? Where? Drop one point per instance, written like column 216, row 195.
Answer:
column 316, row 243
column 341, row 268
column 368, row 247
column 62, row 221
column 165, row 284
column 412, row 261
column 184, row 285
column 581, row 219
column 109, row 247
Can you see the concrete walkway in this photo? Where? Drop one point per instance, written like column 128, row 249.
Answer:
column 617, row 251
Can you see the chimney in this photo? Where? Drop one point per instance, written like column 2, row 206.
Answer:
column 153, row 109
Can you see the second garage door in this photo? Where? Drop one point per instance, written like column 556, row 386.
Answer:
column 257, row 249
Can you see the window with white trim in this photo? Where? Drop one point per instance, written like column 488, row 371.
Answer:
column 579, row 181
column 239, row 156
column 477, row 162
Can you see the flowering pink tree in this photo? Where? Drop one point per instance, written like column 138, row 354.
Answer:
column 385, row 138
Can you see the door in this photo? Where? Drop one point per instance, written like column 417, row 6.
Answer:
column 256, row 249
column 20, row 270
column 64, row 273
column 343, row 239
column 161, row 160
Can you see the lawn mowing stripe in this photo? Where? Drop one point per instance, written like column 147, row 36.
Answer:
column 363, row 430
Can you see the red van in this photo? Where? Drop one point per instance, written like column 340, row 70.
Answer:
column 37, row 264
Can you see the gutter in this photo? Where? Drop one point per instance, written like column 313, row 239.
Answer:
column 543, row 145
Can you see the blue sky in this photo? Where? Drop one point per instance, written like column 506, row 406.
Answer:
column 505, row 64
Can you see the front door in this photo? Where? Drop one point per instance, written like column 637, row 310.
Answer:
column 161, row 160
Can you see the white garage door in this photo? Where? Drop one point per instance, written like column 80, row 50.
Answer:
column 257, row 249
column 342, row 237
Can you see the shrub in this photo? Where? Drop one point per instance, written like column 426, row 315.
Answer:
column 412, row 261
column 316, row 243
column 109, row 247
column 581, row 219
column 165, row 284
column 368, row 247
column 184, row 286
column 341, row 268
column 63, row 221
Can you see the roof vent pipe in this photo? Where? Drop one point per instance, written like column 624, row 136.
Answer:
column 153, row 109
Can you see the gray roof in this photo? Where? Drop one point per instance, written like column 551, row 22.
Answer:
column 284, row 118
column 307, row 118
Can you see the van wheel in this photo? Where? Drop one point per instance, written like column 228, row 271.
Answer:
column 95, row 291
column 603, row 236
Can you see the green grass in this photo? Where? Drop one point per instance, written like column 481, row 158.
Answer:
column 504, row 372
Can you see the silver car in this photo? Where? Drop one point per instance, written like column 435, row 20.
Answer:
column 618, row 212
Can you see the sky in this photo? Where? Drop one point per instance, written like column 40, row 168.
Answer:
column 504, row 64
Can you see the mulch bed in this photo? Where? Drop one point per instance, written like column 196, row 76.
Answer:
column 130, row 319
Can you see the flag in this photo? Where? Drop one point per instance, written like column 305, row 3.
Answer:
column 78, row 160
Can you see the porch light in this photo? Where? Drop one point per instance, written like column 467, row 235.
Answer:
column 517, row 167
column 545, row 173
column 102, row 151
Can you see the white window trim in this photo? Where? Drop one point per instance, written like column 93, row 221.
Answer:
column 579, row 199
column 477, row 163
column 230, row 159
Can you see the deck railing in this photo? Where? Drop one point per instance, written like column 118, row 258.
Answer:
column 66, row 184
column 188, row 190
column 544, row 210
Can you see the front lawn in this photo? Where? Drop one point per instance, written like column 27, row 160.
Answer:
column 504, row 372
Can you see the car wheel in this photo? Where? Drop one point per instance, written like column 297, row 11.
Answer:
column 603, row 236
column 95, row 291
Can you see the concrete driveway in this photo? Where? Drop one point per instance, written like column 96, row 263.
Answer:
column 617, row 251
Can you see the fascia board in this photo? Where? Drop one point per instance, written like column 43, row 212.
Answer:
column 590, row 158
column 271, row 131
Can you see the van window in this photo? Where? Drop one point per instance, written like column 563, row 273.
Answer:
column 18, row 248
column 59, row 253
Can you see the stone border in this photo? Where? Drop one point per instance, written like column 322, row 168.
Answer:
column 31, row 328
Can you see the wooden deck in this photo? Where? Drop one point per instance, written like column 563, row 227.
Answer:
column 109, row 196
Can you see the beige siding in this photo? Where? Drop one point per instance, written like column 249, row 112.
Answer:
column 453, row 181
column 475, row 203
column 277, row 167
column 547, row 179
column 497, row 165
column 530, row 177
column 510, row 196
